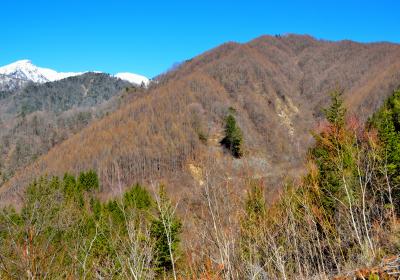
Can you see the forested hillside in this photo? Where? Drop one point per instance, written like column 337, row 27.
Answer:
column 36, row 117
column 340, row 217
column 200, row 140
column 274, row 86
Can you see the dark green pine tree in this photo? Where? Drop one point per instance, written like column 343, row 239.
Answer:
column 88, row 180
column 336, row 112
column 138, row 197
column 165, row 230
column 332, row 154
column 387, row 122
column 233, row 139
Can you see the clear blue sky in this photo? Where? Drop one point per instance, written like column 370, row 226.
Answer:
column 147, row 37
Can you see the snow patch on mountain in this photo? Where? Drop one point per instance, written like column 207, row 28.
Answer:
column 8, row 83
column 133, row 78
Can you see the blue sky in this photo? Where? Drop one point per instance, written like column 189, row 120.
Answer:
column 147, row 37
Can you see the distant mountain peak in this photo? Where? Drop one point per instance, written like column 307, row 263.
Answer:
column 25, row 70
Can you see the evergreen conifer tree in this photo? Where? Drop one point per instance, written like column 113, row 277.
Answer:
column 233, row 139
column 165, row 230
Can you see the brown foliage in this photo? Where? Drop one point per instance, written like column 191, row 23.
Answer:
column 276, row 85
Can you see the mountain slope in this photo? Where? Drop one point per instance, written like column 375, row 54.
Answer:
column 84, row 90
column 276, row 86
column 8, row 83
column 39, row 116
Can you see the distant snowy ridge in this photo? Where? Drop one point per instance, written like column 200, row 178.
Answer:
column 25, row 70
column 133, row 78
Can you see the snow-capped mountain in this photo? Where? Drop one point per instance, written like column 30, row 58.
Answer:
column 8, row 83
column 24, row 70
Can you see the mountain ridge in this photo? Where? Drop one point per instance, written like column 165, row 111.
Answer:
column 277, row 87
column 25, row 70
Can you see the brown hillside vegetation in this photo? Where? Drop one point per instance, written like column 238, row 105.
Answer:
column 36, row 117
column 276, row 86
